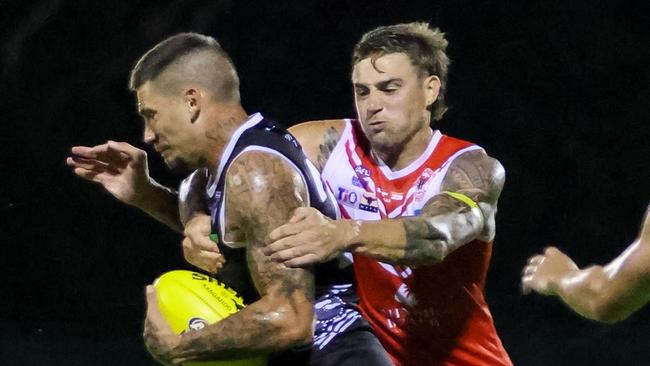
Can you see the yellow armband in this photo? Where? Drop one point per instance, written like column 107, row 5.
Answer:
column 468, row 201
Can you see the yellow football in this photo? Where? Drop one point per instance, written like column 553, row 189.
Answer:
column 189, row 301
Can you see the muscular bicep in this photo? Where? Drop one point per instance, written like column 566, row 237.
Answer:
column 262, row 190
column 478, row 176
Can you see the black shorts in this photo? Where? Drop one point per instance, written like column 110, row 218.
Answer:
column 358, row 347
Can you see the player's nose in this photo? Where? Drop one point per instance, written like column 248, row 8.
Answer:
column 374, row 104
column 148, row 136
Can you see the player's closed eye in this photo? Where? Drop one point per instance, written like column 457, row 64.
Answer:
column 390, row 90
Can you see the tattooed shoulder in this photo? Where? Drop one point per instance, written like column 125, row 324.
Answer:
column 476, row 174
column 318, row 138
column 263, row 189
column 330, row 140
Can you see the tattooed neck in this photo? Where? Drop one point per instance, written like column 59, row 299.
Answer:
column 218, row 135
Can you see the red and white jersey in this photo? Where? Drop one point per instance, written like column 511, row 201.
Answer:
column 428, row 315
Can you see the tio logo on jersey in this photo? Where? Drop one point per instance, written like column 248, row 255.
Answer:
column 346, row 197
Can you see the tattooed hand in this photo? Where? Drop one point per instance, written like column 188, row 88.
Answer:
column 158, row 336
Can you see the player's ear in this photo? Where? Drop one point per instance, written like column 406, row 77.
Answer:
column 193, row 101
column 431, row 85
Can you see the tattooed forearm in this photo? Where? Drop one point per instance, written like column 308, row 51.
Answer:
column 430, row 236
column 424, row 243
column 231, row 338
column 329, row 143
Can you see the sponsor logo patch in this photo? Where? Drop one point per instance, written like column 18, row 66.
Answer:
column 347, row 197
column 362, row 170
column 369, row 202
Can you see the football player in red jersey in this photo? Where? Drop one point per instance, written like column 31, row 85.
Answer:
column 419, row 207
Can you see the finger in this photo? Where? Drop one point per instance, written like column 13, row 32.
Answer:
column 525, row 285
column 193, row 252
column 102, row 153
column 299, row 214
column 302, row 261
column 201, row 241
column 154, row 316
column 552, row 251
column 283, row 231
column 90, row 175
column 288, row 254
column 88, row 164
column 529, row 270
column 208, row 261
column 152, row 301
column 127, row 149
column 536, row 260
column 283, row 244
column 87, row 151
column 202, row 256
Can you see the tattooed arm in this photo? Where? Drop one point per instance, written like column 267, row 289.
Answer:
column 608, row 293
column 318, row 139
column 444, row 224
column 261, row 192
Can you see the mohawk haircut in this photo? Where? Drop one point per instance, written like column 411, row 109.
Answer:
column 188, row 57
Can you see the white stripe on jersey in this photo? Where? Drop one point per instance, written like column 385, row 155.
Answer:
column 214, row 178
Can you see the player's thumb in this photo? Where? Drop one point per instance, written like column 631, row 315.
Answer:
column 150, row 294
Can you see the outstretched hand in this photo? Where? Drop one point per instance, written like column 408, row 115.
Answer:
column 119, row 167
column 308, row 238
column 543, row 272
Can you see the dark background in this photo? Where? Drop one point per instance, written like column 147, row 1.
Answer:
column 556, row 90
